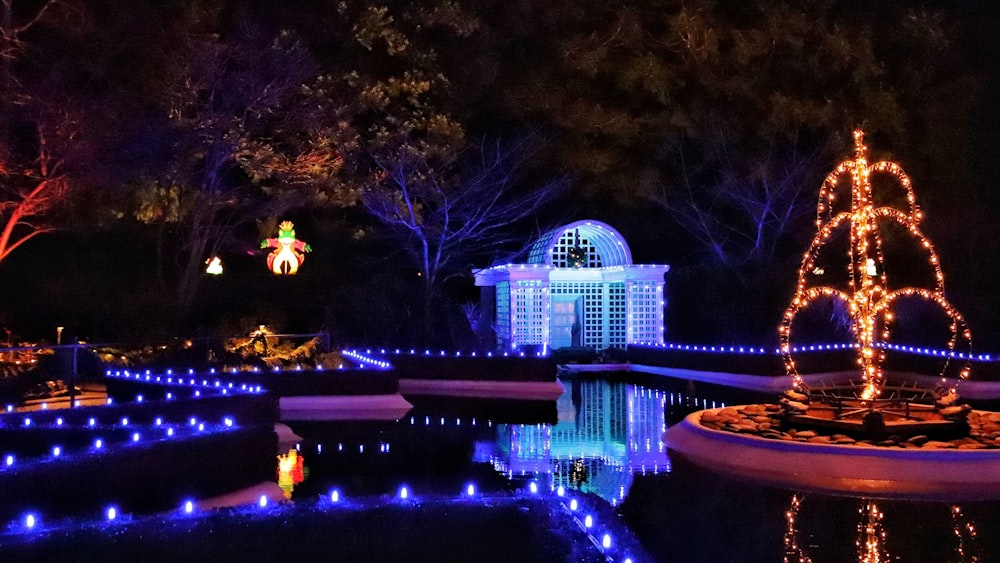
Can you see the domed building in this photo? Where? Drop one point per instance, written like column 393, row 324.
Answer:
column 578, row 289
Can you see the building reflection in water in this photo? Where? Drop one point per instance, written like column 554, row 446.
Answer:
column 605, row 434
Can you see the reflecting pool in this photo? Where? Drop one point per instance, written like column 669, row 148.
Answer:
column 604, row 437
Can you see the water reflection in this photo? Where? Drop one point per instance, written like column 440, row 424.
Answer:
column 606, row 438
column 968, row 550
column 793, row 551
column 291, row 471
column 872, row 536
column 605, row 434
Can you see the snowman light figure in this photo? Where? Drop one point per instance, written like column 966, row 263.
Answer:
column 288, row 251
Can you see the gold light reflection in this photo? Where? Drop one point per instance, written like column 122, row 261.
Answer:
column 868, row 295
column 965, row 535
column 871, row 534
column 291, row 471
column 870, row 541
column 793, row 552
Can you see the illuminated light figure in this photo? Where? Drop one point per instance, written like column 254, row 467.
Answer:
column 214, row 266
column 868, row 295
column 288, row 253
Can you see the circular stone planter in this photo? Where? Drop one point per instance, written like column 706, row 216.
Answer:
column 952, row 474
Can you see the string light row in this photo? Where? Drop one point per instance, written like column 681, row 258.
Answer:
column 511, row 266
column 755, row 350
column 367, row 358
column 217, row 385
column 125, row 434
column 601, row 535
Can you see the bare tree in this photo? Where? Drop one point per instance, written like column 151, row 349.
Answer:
column 245, row 146
column 34, row 137
column 441, row 216
column 744, row 209
column 28, row 195
column 739, row 214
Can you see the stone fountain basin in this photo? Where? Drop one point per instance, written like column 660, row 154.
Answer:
column 884, row 472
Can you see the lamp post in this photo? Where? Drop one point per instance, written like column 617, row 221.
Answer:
column 59, row 330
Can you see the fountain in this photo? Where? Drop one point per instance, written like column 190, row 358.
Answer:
column 872, row 430
column 871, row 407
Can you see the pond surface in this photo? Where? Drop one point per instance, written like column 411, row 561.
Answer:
column 605, row 437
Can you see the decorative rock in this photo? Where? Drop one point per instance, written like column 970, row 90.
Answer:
column 794, row 406
column 972, row 446
column 957, row 411
column 763, row 421
column 938, row 445
column 795, row 396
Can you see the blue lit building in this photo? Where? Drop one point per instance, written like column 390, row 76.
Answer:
column 579, row 288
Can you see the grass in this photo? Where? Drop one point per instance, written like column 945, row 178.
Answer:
column 487, row 529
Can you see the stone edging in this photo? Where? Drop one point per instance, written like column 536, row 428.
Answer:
column 882, row 471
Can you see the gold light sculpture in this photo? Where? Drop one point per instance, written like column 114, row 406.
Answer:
column 867, row 294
